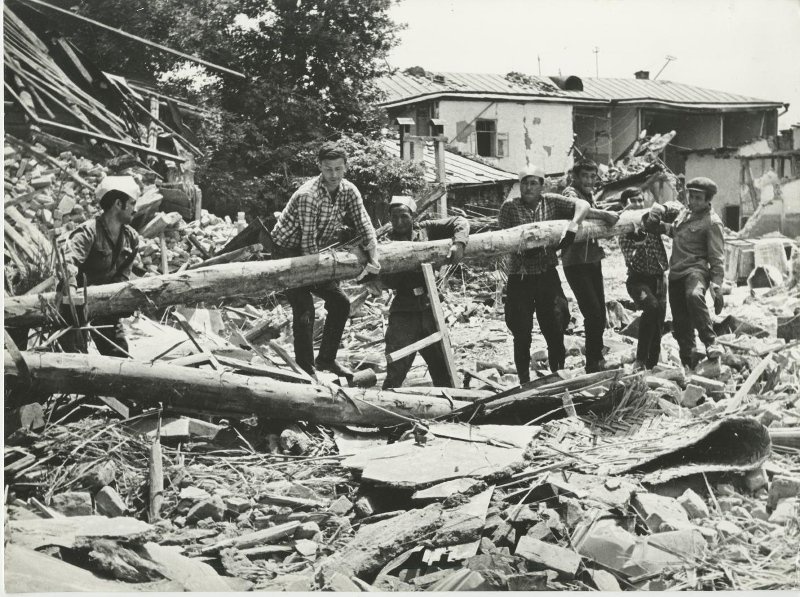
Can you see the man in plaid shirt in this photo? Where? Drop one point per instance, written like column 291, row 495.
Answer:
column 647, row 262
column 311, row 222
column 533, row 282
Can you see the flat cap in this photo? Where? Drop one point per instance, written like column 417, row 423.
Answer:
column 701, row 183
column 404, row 200
column 124, row 184
column 531, row 170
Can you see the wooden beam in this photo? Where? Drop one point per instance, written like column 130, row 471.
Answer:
column 441, row 323
column 413, row 348
column 259, row 278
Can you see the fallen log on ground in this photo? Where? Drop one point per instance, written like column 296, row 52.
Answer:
column 258, row 279
column 188, row 390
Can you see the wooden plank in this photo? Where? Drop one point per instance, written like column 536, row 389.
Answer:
column 441, row 324
column 413, row 348
column 215, row 364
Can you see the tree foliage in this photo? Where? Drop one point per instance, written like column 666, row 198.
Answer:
column 310, row 69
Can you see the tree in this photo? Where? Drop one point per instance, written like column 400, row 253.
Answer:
column 311, row 67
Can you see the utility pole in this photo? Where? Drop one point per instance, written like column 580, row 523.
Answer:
column 596, row 61
column 539, row 60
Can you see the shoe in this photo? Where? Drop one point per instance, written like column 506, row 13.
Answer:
column 596, row 366
column 334, row 367
column 714, row 351
column 638, row 366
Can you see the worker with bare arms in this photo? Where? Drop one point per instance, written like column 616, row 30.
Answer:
column 583, row 267
column 410, row 315
column 311, row 222
column 101, row 251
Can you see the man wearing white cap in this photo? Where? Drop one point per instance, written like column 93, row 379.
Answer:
column 101, row 251
column 410, row 316
column 533, row 282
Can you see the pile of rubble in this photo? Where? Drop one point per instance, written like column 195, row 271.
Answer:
column 609, row 481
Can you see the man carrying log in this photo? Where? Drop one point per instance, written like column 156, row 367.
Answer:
column 647, row 263
column 533, row 282
column 101, row 251
column 411, row 316
column 310, row 222
column 696, row 264
column 583, row 267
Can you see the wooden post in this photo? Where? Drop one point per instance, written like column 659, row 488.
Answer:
column 152, row 132
column 441, row 324
column 164, row 256
column 441, row 173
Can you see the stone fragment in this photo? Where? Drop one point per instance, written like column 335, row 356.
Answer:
column 702, row 409
column 604, row 581
column 306, row 547
column 522, row 516
column 738, row 553
column 547, row 556
column 740, row 512
column 782, row 487
column 605, row 542
column 756, row 479
column 711, row 386
column 669, row 549
column 728, row 502
column 760, row 512
column 691, row 395
column 364, row 507
column 785, row 511
column 342, row 584
column 661, row 513
column 694, row 505
column 213, row 508
column 307, row 530
column 503, row 534
column 573, row 511
column 341, row 506
column 237, row 504
column 442, row 491
column 109, row 503
column 73, row 503
column 540, row 531
column 486, row 546
column 531, row 581
column 725, row 489
column 189, row 497
column 726, row 528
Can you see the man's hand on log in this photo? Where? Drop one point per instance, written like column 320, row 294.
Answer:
column 372, row 267
column 456, row 254
column 719, row 301
column 568, row 237
column 609, row 217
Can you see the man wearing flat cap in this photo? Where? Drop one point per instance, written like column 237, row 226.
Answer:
column 410, row 315
column 696, row 265
column 533, row 283
column 101, row 251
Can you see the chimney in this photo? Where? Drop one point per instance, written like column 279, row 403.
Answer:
column 642, row 74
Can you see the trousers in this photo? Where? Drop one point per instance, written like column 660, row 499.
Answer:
column 648, row 292
column 540, row 294
column 337, row 306
column 687, row 299
column 586, row 282
column 407, row 327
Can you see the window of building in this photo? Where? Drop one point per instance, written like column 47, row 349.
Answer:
column 486, row 138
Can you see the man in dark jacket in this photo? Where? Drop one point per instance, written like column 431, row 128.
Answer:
column 410, row 315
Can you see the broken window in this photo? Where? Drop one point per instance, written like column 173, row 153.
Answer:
column 486, row 138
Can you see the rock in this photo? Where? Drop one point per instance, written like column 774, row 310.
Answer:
column 306, row 547
column 693, row 504
column 785, row 511
column 531, row 581
column 294, row 441
column 760, row 512
column 605, row 542
column 364, row 507
column 726, row 528
column 388, row 583
column 486, row 546
column 756, row 479
column 669, row 549
column 307, row 530
column 494, row 568
column 549, row 557
column 711, row 386
column 99, row 477
column 702, row 409
column 503, row 534
column 461, row 580
column 725, row 489
column 741, row 512
column 189, row 497
column 442, row 491
column 604, row 581
column 738, row 553
column 782, row 487
column 237, row 504
column 109, row 503
column 523, row 515
column 728, row 502
column 213, row 508
column 341, row 506
column 540, row 531
column 73, row 503
column 661, row 513
column 691, row 395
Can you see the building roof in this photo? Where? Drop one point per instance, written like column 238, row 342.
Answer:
column 402, row 89
column 461, row 171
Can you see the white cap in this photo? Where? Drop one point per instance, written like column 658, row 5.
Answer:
column 404, row 200
column 126, row 184
column 531, row 170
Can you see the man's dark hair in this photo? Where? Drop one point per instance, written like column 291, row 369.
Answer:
column 331, row 151
column 583, row 166
column 111, row 197
column 630, row 192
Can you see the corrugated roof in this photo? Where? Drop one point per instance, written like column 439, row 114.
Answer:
column 401, row 87
column 459, row 170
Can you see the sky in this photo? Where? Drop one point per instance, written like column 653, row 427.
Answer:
column 750, row 47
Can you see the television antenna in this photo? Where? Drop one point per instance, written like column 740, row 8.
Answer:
column 669, row 59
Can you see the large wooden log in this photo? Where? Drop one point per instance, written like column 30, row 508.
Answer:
column 258, row 279
column 186, row 389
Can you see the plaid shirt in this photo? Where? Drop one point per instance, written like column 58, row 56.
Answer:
column 587, row 251
column 644, row 253
column 312, row 220
column 514, row 212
